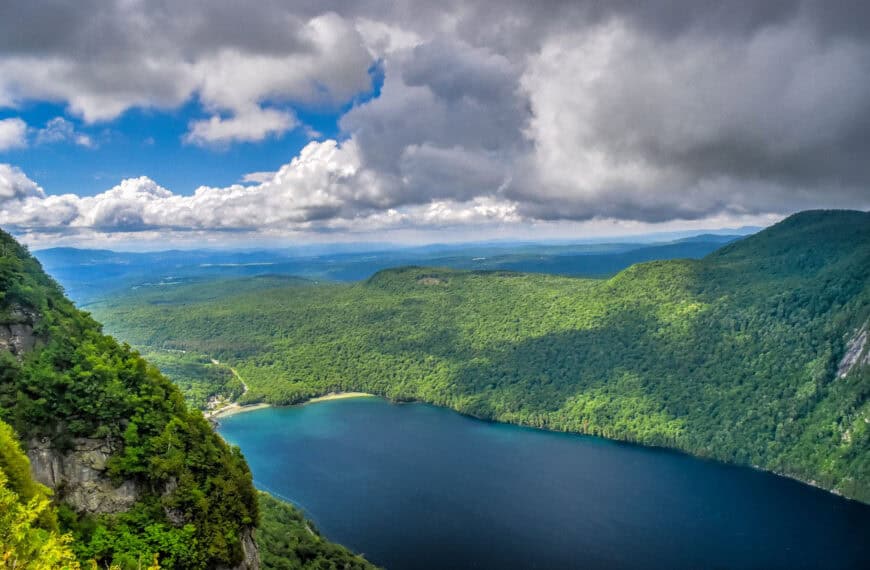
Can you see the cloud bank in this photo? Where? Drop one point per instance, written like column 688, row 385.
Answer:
column 324, row 189
column 489, row 112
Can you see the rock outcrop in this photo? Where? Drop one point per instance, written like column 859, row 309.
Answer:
column 78, row 476
column 16, row 331
column 250, row 553
column 857, row 353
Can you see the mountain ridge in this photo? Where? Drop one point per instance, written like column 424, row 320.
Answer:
column 731, row 357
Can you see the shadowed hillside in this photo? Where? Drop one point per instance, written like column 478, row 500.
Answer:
column 734, row 357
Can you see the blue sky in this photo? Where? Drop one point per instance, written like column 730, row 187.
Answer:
column 149, row 142
column 419, row 121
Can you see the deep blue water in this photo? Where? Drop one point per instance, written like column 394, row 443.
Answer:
column 415, row 486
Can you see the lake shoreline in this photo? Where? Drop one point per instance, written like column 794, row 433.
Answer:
column 338, row 396
column 236, row 408
column 372, row 448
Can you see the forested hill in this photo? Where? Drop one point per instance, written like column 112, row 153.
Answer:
column 156, row 478
column 92, row 275
column 734, row 356
column 138, row 477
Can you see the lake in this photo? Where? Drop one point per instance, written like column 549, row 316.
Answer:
column 414, row 486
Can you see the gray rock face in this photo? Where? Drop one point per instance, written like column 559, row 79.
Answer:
column 856, row 355
column 250, row 551
column 16, row 331
column 79, row 476
column 251, row 560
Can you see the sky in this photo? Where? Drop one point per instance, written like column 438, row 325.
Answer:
column 134, row 124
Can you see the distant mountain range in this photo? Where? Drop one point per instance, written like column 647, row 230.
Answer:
column 89, row 274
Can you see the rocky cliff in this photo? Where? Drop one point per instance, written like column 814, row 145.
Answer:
column 250, row 553
column 142, row 475
column 79, row 476
column 16, row 331
column 857, row 352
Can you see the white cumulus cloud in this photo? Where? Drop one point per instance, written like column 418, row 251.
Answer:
column 60, row 130
column 324, row 188
column 489, row 112
column 13, row 134
column 15, row 185
column 250, row 124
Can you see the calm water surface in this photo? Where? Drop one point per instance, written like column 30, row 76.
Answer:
column 414, row 486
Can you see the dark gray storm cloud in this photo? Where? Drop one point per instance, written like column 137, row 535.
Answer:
column 448, row 122
column 649, row 111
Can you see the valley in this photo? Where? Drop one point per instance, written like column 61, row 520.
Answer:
column 412, row 285
column 754, row 355
column 732, row 357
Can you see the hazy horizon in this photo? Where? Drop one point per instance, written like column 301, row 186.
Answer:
column 651, row 238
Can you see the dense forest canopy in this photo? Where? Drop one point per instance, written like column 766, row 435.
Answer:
column 76, row 382
column 90, row 275
column 732, row 357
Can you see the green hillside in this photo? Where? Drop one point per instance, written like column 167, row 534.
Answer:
column 74, row 382
column 139, row 474
column 732, row 357
column 289, row 542
column 29, row 536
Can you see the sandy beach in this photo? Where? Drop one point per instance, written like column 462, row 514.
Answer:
column 338, row 396
column 234, row 408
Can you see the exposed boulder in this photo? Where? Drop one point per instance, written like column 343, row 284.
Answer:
column 16, row 331
column 78, row 476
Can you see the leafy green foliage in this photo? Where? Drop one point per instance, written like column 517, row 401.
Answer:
column 731, row 357
column 77, row 382
column 28, row 524
column 91, row 275
column 288, row 541
column 133, row 538
column 200, row 379
column 16, row 470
